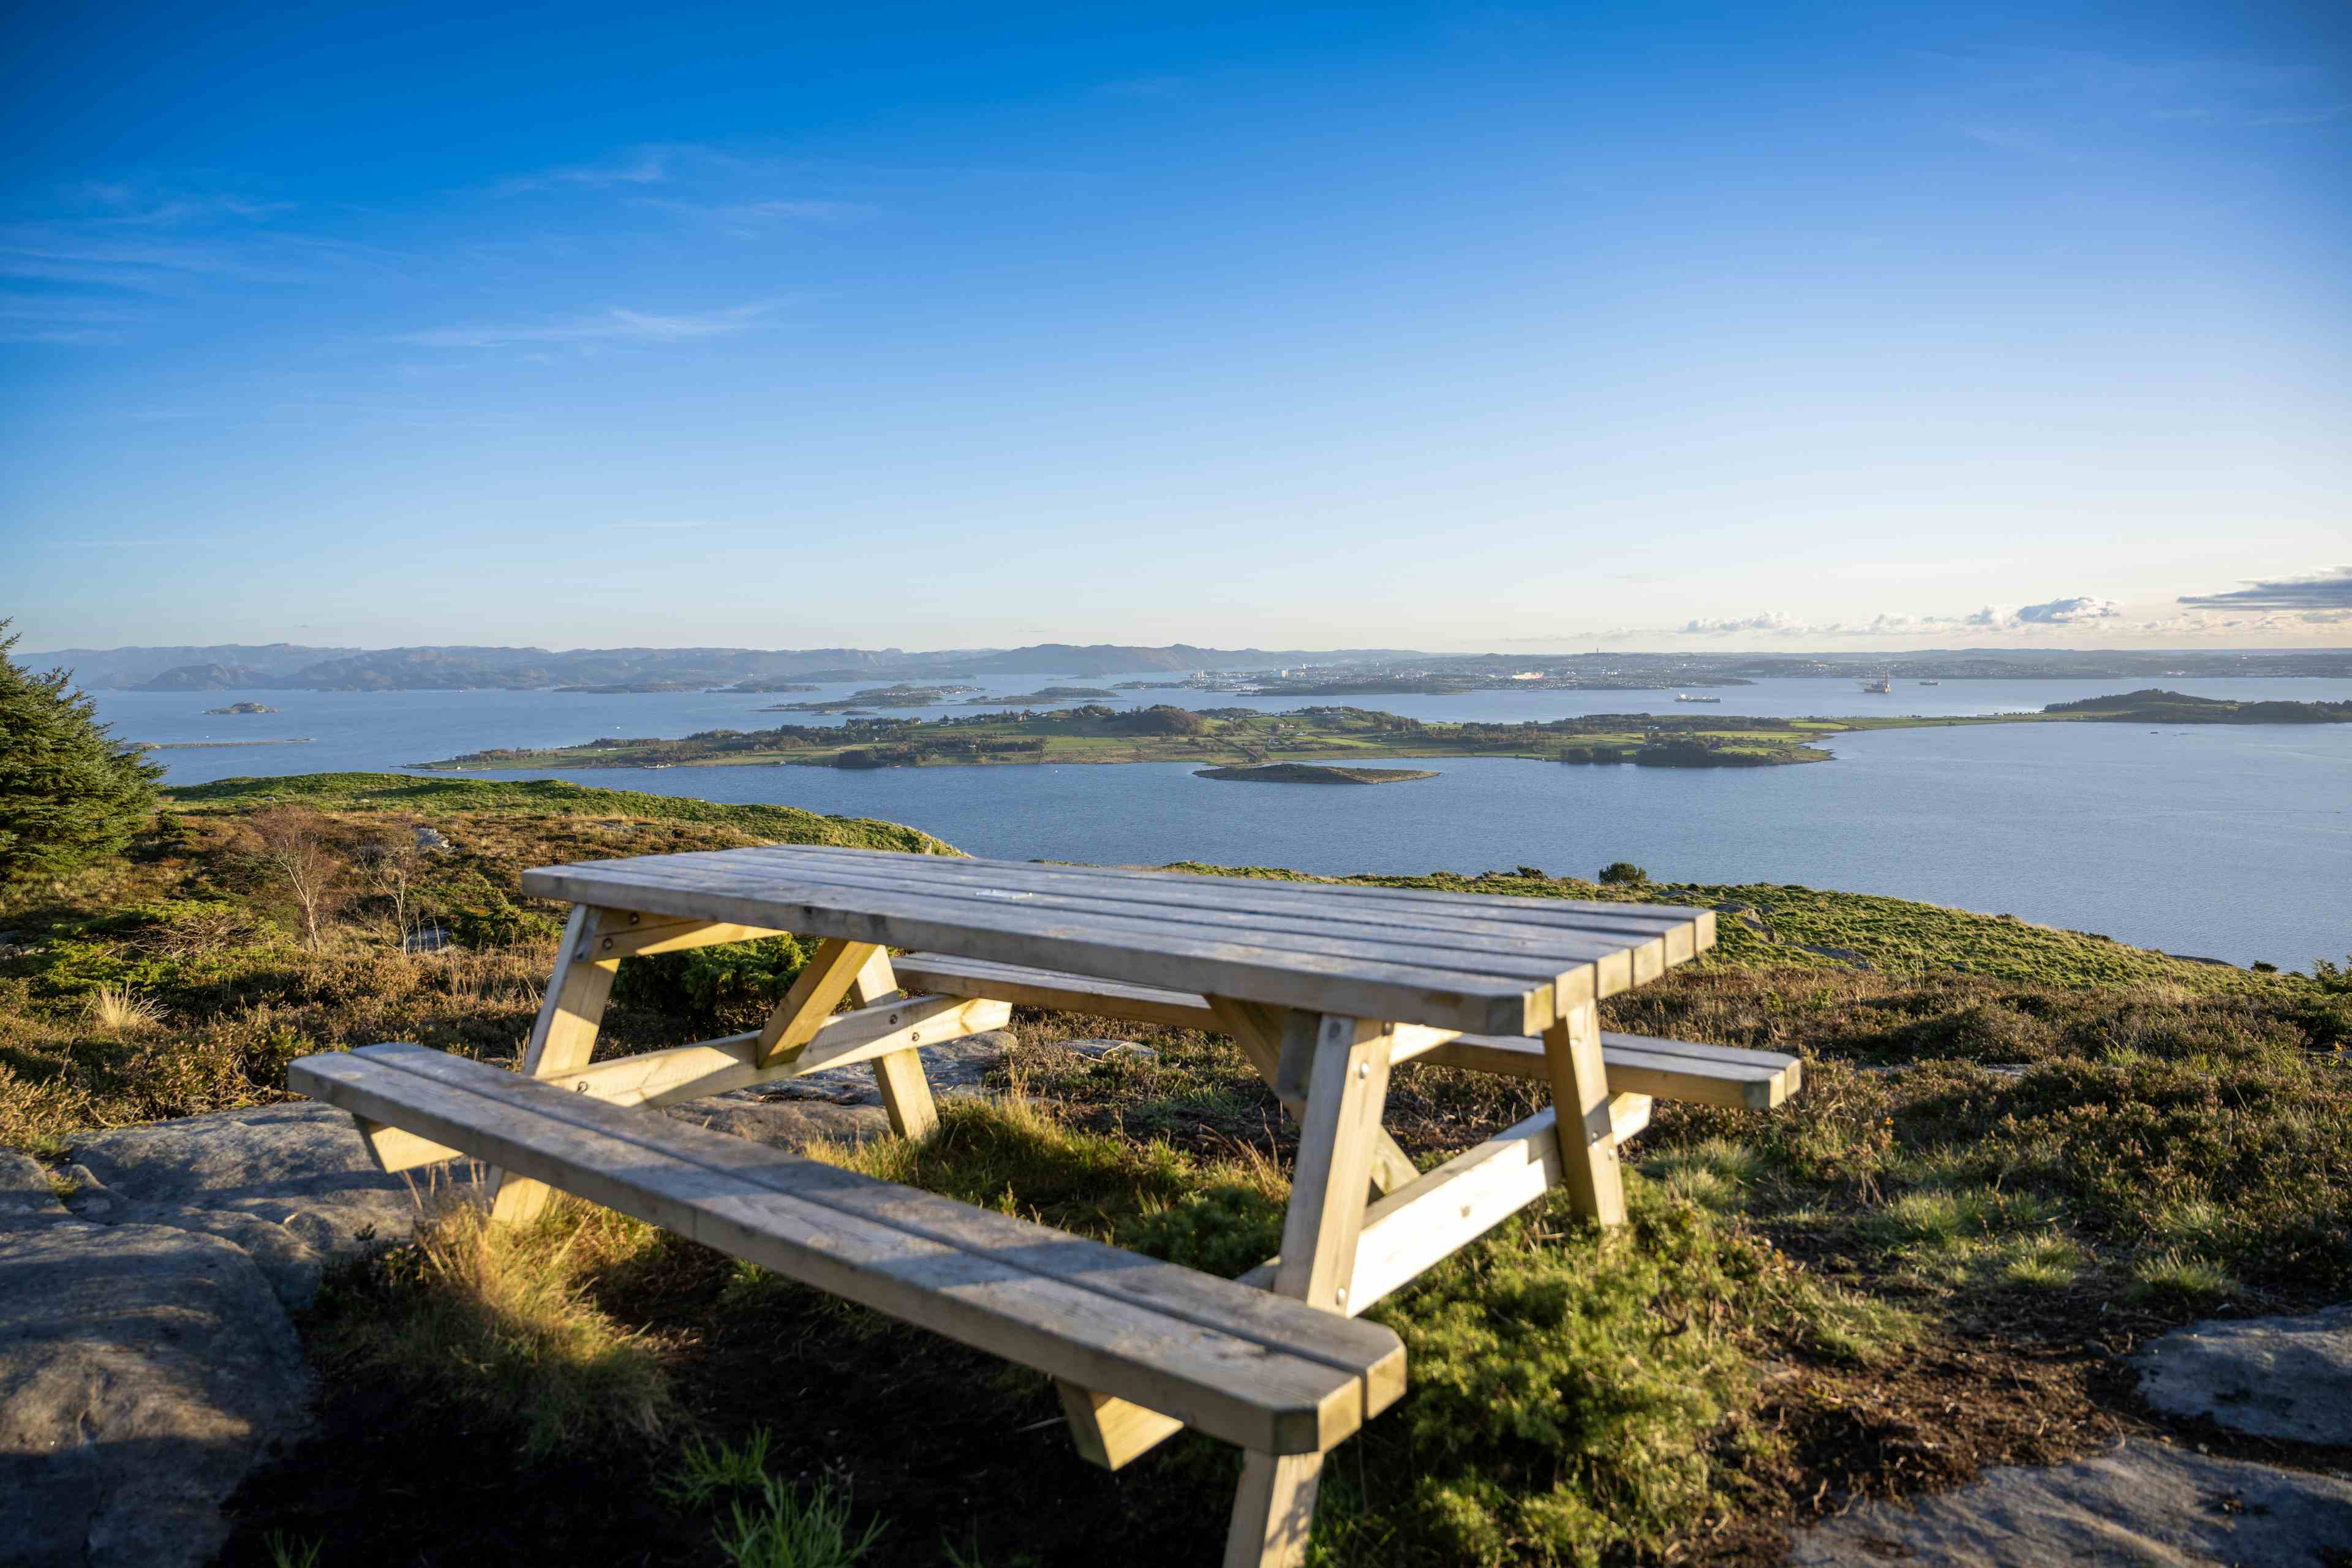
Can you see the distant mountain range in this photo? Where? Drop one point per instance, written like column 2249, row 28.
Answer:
column 286, row 665
column 237, row 666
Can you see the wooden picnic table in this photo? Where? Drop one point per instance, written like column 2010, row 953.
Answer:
column 1326, row 987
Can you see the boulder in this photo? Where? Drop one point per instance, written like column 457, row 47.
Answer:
column 959, row 1067
column 2141, row 1505
column 142, row 1371
column 2287, row 1378
column 291, row 1185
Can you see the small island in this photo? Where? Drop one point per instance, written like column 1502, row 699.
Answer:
column 2153, row 705
column 241, row 708
column 1313, row 773
column 900, row 696
column 1043, row 694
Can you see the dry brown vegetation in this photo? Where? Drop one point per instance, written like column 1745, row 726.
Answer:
column 2017, row 1153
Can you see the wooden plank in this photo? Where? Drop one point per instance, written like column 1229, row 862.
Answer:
column 1348, row 1087
column 1385, row 905
column 563, row 1037
column 1274, row 1510
column 1705, row 1074
column 1411, row 1230
column 1163, row 1286
column 650, row 936
column 1039, row 1302
column 1140, row 952
column 844, row 1039
column 1259, row 1031
column 1063, row 993
column 1445, row 919
column 396, row 1150
column 723, row 1066
column 816, row 992
column 1588, row 1139
column 1433, row 947
column 1111, row 1431
column 897, row 1075
column 1667, row 1070
column 1628, row 1114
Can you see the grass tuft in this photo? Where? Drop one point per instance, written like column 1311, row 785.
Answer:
column 495, row 1322
column 118, row 1013
column 790, row 1527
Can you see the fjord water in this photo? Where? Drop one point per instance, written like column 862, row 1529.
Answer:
column 2231, row 842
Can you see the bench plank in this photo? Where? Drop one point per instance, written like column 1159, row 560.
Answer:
column 1238, row 1364
column 1637, row 1064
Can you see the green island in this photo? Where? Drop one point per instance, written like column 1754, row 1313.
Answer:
column 874, row 697
column 2017, row 1149
column 1310, row 773
column 1095, row 733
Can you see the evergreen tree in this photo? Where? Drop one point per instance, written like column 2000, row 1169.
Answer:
column 69, row 792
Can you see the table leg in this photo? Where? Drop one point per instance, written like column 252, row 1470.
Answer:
column 561, row 1040
column 1588, row 1134
column 1265, row 1035
column 1274, row 1508
column 905, row 1093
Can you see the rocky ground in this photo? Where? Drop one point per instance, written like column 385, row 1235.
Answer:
column 148, row 1360
column 148, row 1356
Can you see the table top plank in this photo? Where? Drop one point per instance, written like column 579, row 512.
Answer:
column 1444, row 959
column 1385, row 906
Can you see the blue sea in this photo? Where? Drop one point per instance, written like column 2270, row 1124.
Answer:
column 2219, row 841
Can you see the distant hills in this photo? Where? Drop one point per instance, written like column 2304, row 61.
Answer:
column 286, row 666
column 231, row 667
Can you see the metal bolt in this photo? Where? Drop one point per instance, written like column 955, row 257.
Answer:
column 634, row 919
column 1340, row 1295
column 1363, row 1070
column 608, row 944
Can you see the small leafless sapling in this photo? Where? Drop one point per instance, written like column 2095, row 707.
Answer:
column 295, row 846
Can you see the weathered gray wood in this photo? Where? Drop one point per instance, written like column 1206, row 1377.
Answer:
column 1433, row 947
column 1398, row 906
column 1348, row 1085
column 724, row 1064
column 1379, row 980
column 1274, row 1510
column 1637, row 1064
column 1587, row 1133
column 563, row 1037
column 1065, row 992
column 637, row 934
column 1440, row 920
column 1261, row 1032
column 897, row 1075
column 1128, row 1325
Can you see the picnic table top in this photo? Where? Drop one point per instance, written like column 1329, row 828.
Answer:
column 1476, row 963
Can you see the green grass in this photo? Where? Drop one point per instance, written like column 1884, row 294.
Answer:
column 436, row 797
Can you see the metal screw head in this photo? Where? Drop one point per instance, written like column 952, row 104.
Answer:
column 1340, row 1295
column 1363, row 1070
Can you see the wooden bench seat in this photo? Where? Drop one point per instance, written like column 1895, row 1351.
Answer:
column 1636, row 1064
column 1271, row 1374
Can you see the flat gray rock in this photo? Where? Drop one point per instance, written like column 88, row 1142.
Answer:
column 142, row 1371
column 2142, row 1505
column 29, row 1195
column 2287, row 1378
column 292, row 1185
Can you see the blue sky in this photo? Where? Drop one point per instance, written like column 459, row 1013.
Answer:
column 1646, row 324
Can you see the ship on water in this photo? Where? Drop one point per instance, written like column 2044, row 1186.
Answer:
column 1931, row 683
column 1680, row 697
column 1884, row 686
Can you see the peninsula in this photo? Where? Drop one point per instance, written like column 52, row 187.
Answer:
column 1097, row 733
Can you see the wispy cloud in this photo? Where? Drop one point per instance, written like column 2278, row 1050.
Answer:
column 2078, row 610
column 42, row 319
column 609, row 326
column 2330, row 588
